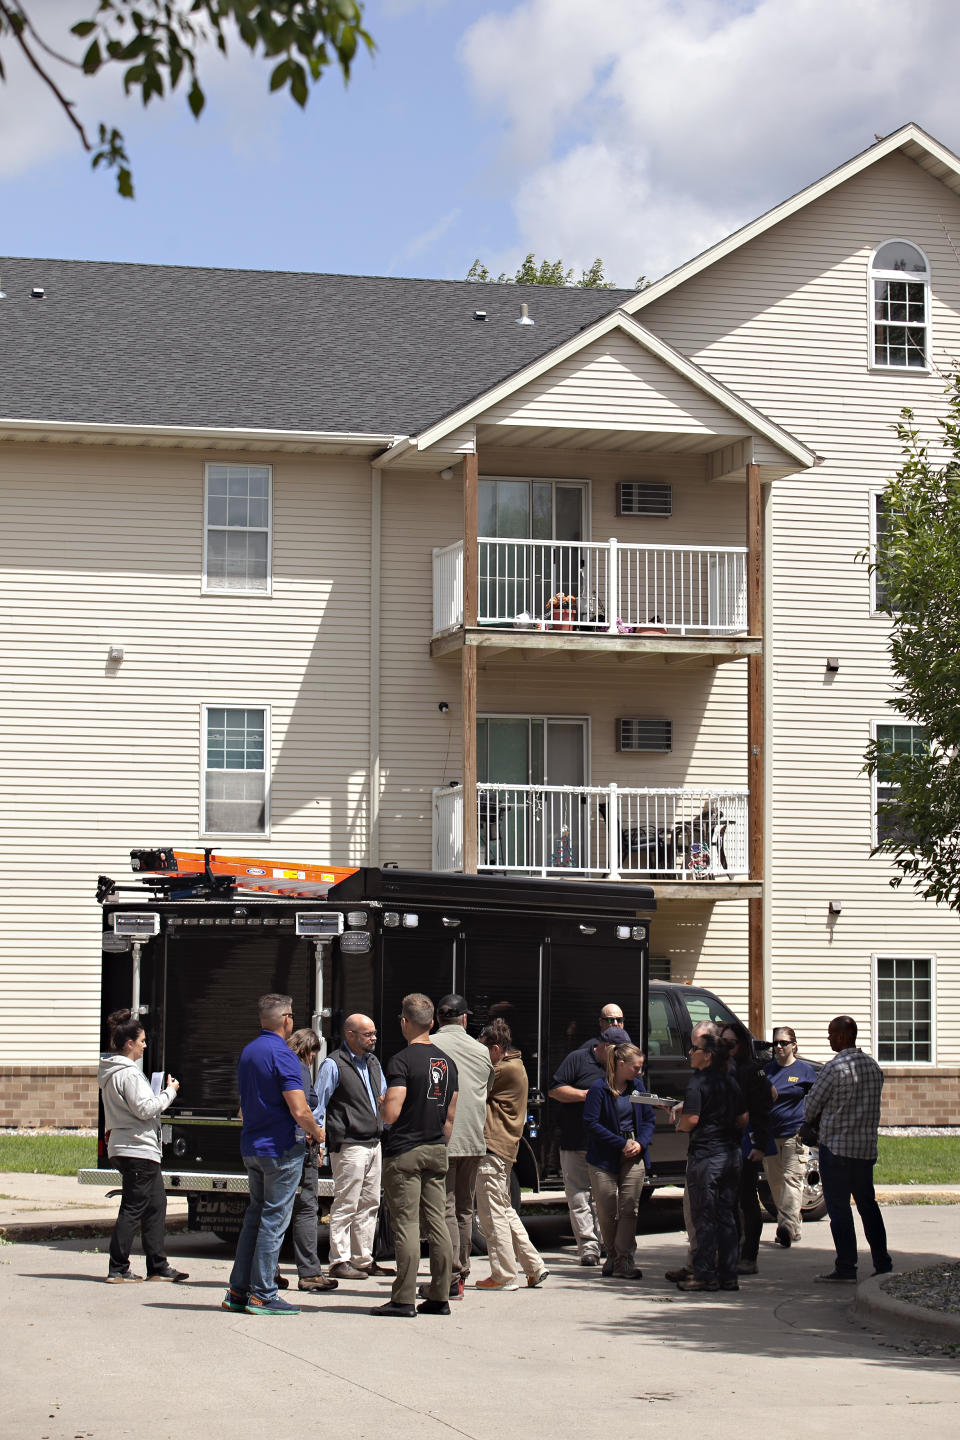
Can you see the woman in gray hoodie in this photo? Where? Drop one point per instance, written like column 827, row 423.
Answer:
column 131, row 1114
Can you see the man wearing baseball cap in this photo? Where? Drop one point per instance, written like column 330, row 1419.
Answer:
column 575, row 1074
column 467, row 1145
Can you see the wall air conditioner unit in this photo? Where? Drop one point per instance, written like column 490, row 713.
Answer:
column 644, row 735
column 642, row 497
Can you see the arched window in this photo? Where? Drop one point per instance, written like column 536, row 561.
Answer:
column 900, row 281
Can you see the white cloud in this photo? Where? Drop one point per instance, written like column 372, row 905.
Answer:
column 649, row 134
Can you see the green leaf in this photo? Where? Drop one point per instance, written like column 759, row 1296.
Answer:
column 196, row 99
column 93, row 59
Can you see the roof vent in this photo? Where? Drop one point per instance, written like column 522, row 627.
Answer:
column 38, row 292
column 524, row 317
column 479, row 314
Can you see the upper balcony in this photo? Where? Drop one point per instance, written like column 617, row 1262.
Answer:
column 543, row 595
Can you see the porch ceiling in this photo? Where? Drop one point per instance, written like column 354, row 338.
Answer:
column 591, row 438
column 536, row 647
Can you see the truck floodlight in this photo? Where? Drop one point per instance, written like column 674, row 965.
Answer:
column 588, row 929
column 452, row 922
column 639, row 932
column 138, row 924
column 356, row 942
column 391, row 919
column 410, row 922
column 356, row 917
column 623, row 932
column 319, row 924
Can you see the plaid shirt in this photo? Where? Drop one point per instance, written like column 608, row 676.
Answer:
column 846, row 1100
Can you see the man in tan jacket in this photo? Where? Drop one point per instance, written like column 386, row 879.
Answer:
column 507, row 1241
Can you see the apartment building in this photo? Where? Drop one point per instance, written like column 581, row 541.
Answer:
column 477, row 577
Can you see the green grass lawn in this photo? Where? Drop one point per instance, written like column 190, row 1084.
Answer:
column 918, row 1159
column 922, row 1159
column 48, row 1154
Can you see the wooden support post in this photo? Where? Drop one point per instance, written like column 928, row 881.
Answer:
column 468, row 672
column 755, row 805
column 471, row 544
column 468, row 709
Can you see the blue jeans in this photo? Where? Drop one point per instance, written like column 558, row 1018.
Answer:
column 843, row 1178
column 273, row 1185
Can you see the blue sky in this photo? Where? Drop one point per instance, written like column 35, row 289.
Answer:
column 638, row 130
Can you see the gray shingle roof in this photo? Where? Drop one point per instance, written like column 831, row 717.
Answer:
column 170, row 345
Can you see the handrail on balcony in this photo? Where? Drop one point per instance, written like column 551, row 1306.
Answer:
column 682, row 834
column 602, row 586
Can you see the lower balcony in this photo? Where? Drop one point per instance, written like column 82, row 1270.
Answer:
column 681, row 835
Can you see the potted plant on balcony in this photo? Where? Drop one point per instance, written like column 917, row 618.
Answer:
column 562, row 610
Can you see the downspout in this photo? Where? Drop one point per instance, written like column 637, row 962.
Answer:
column 376, row 510
column 768, row 641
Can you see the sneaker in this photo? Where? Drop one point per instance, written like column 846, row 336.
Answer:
column 675, row 1276
column 402, row 1312
column 127, row 1277
column 607, row 1269
column 233, row 1300
column 887, row 1270
column 491, row 1284
column 833, row 1278
column 374, row 1269
column 281, row 1281
column 589, row 1258
column 748, row 1267
column 456, row 1290
column 694, row 1284
column 729, row 1285
column 276, row 1306
column 343, row 1270
column 457, row 1286
column 313, row 1284
column 633, row 1274
column 175, row 1276
column 534, row 1281
column 433, row 1307
column 783, row 1237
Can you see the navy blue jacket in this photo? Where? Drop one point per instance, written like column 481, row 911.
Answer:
column 602, row 1125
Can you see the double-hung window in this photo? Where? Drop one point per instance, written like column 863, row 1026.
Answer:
column 881, row 599
column 904, row 1003
column 900, row 307
column 236, row 749
column 892, row 740
column 237, row 525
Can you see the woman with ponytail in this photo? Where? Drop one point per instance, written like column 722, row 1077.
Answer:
column 618, row 1133
column 131, row 1117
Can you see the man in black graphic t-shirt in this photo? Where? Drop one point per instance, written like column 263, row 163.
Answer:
column 418, row 1109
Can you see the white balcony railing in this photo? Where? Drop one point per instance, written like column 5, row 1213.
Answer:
column 683, row 834
column 604, row 587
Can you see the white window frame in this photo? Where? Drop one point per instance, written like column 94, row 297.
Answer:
column 891, row 954
column 875, row 497
column 875, row 726
column 205, row 587
column 233, row 704
column 874, row 274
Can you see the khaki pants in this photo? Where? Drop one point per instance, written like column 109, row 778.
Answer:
column 507, row 1242
column 583, row 1213
column 356, row 1200
column 414, row 1185
column 461, row 1205
column 617, row 1199
column 785, row 1173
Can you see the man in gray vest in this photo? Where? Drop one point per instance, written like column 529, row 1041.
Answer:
column 467, row 1146
column 350, row 1089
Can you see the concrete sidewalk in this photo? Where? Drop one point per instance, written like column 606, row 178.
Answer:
column 125, row 1361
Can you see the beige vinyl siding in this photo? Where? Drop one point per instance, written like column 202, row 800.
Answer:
column 615, row 383
column 103, row 548
column 784, row 322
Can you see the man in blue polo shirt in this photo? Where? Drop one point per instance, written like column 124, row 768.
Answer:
column 273, row 1104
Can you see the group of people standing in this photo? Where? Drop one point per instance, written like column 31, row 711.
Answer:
column 438, row 1134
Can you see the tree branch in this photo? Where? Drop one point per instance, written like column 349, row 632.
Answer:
column 65, row 104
